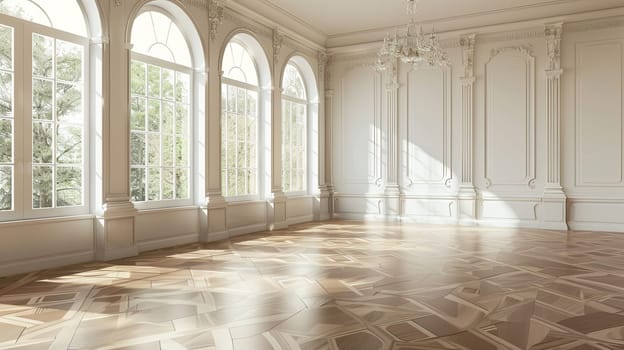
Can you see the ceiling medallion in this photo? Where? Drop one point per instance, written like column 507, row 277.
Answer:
column 412, row 47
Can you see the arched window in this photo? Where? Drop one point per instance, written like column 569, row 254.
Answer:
column 240, row 127
column 160, row 120
column 43, row 108
column 294, row 131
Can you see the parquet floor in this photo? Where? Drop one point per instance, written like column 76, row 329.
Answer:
column 334, row 285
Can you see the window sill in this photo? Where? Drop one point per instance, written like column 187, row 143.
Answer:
column 50, row 220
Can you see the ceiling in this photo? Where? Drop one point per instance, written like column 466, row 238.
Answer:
column 339, row 17
column 339, row 23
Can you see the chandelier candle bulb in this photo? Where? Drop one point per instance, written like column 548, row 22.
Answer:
column 413, row 47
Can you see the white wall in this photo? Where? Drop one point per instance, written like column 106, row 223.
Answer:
column 593, row 57
column 512, row 153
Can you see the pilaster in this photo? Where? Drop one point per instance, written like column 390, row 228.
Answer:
column 115, row 236
column 467, row 195
column 213, row 224
column 554, row 199
column 392, row 189
column 322, row 209
column 277, row 200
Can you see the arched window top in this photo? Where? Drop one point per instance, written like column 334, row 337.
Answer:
column 65, row 15
column 238, row 64
column 155, row 34
column 293, row 82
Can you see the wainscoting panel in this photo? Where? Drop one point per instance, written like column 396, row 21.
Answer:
column 358, row 127
column 599, row 146
column 510, row 119
column 427, row 142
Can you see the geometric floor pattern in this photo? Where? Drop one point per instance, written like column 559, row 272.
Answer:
column 334, row 285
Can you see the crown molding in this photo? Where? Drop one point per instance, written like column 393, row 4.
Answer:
column 271, row 16
column 585, row 21
column 509, row 19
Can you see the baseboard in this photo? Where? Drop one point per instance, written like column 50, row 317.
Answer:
column 365, row 217
column 243, row 230
column 596, row 226
column 300, row 219
column 430, row 220
column 37, row 264
column 210, row 237
column 168, row 242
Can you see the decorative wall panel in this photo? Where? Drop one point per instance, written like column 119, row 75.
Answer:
column 360, row 128
column 428, row 140
column 599, row 94
column 510, row 118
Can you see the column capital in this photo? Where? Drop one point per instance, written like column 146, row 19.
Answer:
column 554, row 73
column 465, row 81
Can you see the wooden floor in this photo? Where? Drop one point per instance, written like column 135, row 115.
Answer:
column 335, row 285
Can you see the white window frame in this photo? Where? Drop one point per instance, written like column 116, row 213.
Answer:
column 167, row 203
column 305, row 104
column 260, row 128
column 22, row 127
column 259, row 155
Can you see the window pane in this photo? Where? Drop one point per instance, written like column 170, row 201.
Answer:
column 154, row 184
column 182, row 119
column 42, row 142
column 293, row 83
column 69, row 144
column 6, row 94
column 238, row 64
column 68, row 103
column 153, row 149
column 6, row 48
column 182, row 157
column 42, row 187
column 168, row 82
column 137, row 149
column 6, row 141
column 154, row 34
column 68, row 61
column 231, row 154
column 154, row 115
column 168, row 151
column 183, row 87
column 48, row 13
column 137, row 114
column 167, row 118
column 153, row 81
column 231, row 183
column 182, row 184
column 68, row 186
column 6, row 187
column 168, row 183
column 231, row 102
column 42, row 52
column 42, row 99
column 137, row 184
column 138, row 78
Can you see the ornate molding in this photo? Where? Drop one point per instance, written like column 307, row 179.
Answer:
column 278, row 40
column 467, row 44
column 553, row 45
column 117, row 3
column 215, row 16
column 202, row 3
column 526, row 50
column 247, row 23
column 511, row 36
column 595, row 25
column 530, row 156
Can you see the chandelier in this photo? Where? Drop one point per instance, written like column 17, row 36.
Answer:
column 412, row 47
